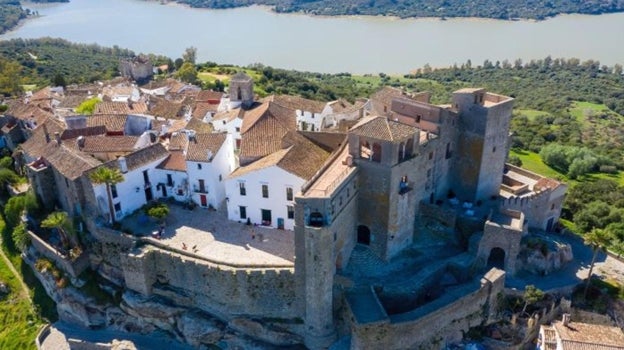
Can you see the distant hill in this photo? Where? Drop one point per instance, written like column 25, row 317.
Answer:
column 498, row 9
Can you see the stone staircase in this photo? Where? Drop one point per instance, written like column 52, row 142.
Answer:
column 364, row 262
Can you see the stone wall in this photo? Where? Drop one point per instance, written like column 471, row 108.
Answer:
column 505, row 237
column 446, row 216
column 442, row 320
column 220, row 290
column 73, row 267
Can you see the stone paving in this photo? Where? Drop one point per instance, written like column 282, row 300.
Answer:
column 210, row 235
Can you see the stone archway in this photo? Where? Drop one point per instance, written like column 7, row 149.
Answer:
column 363, row 235
column 496, row 258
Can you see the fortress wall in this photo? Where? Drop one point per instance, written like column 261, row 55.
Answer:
column 446, row 216
column 433, row 330
column 226, row 292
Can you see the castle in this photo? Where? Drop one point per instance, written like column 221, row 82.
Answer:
column 402, row 162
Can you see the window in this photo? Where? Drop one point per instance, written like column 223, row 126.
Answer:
column 418, row 118
column 289, row 193
column 220, row 178
column 113, row 190
column 552, row 207
column 291, row 211
column 243, row 212
column 66, row 182
column 145, row 177
column 494, row 149
column 117, row 207
column 198, row 166
column 243, row 191
column 265, row 191
column 237, row 129
column 169, row 180
column 430, row 155
column 448, row 151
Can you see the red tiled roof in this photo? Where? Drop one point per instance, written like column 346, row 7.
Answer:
column 586, row 336
column 208, row 95
column 97, row 144
column 175, row 161
column 202, row 143
column 112, row 122
column 120, row 108
column 381, row 128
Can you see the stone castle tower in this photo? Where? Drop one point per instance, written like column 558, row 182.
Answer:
column 483, row 142
column 241, row 91
column 384, row 151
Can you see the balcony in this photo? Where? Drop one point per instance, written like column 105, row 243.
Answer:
column 200, row 189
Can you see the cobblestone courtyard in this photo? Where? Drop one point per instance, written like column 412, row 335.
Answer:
column 210, row 235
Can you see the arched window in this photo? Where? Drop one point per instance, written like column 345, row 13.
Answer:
column 409, row 147
column 365, row 150
column 376, row 156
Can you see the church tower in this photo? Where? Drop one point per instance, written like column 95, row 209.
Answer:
column 241, row 91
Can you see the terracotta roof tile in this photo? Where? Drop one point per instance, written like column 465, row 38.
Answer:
column 175, row 161
column 296, row 102
column 208, row 95
column 72, row 101
column 70, row 163
column 202, row 108
column 112, row 122
column 199, row 126
column 229, row 115
column 88, row 131
column 381, row 128
column 263, row 130
column 36, row 145
column 164, row 108
column 96, row 144
column 178, row 141
column 199, row 147
column 141, row 157
column 301, row 158
column 586, row 336
column 120, row 108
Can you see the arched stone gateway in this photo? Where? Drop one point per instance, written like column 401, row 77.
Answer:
column 363, row 235
column 496, row 258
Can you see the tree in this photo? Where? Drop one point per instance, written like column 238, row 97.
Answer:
column 187, row 73
column 190, row 54
column 59, row 220
column 598, row 239
column 108, row 177
column 88, row 107
column 10, row 77
column 59, row 80
column 15, row 206
column 531, row 295
column 159, row 211
column 20, row 237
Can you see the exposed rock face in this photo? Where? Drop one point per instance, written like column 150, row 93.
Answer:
column 200, row 329
column 544, row 260
column 4, row 289
column 260, row 331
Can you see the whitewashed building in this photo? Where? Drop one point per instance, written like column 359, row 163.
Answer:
column 138, row 187
column 263, row 192
column 209, row 160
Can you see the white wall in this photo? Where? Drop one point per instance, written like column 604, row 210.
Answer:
column 214, row 175
column 311, row 119
column 180, row 182
column 128, row 196
column 278, row 180
column 231, row 128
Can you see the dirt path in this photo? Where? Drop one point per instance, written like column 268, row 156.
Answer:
column 25, row 292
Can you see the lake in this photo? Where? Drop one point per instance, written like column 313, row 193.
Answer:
column 323, row 44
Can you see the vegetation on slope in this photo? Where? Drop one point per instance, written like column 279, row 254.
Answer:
column 502, row 9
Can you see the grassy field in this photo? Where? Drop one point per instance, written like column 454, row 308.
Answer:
column 19, row 321
column 532, row 161
column 582, row 110
column 530, row 113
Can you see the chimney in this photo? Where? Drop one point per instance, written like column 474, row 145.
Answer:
column 210, row 155
column 47, row 134
column 565, row 319
column 123, row 166
column 80, row 141
column 57, row 137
